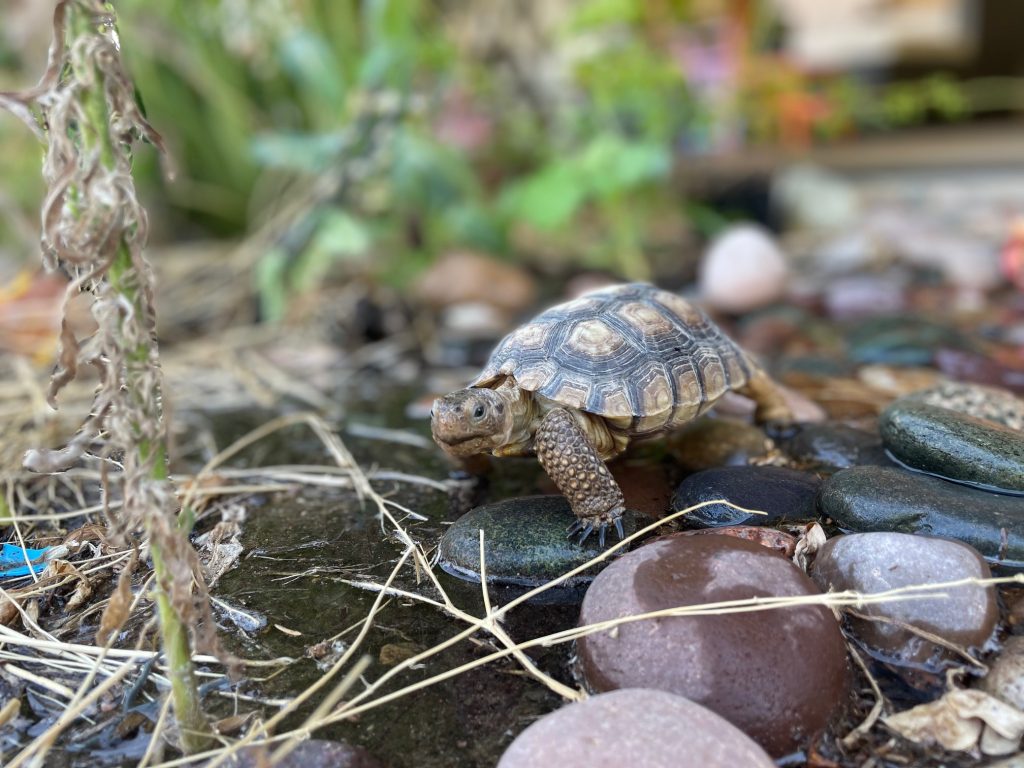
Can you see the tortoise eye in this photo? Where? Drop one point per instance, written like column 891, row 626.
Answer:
column 478, row 412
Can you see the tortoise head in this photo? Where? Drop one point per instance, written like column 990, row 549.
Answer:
column 471, row 421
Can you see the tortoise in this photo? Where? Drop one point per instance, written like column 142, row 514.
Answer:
column 582, row 379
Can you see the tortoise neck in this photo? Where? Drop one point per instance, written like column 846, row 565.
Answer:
column 523, row 410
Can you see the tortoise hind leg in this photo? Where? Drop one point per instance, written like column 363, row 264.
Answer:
column 771, row 405
column 571, row 460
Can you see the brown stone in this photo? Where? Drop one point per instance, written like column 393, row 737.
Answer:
column 636, row 727
column 314, row 753
column 463, row 277
column 715, row 442
column 777, row 541
column 777, row 674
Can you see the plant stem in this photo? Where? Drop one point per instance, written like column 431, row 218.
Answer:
column 146, row 453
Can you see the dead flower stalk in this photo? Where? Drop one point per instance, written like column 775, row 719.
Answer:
column 94, row 229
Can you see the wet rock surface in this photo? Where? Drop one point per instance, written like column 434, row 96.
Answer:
column 525, row 542
column 836, row 446
column 716, row 442
column 781, row 493
column 1005, row 678
column 778, row 541
column 955, row 445
column 720, row 661
column 877, row 562
column 863, row 499
column 635, row 727
column 314, row 753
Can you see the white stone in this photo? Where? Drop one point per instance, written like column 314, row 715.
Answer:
column 743, row 269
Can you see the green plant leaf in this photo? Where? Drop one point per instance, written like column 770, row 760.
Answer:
column 303, row 152
column 271, row 270
column 610, row 164
column 547, row 200
column 307, row 60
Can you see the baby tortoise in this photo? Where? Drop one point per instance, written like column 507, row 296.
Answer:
column 582, row 379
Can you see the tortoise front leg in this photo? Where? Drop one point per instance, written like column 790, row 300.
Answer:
column 570, row 459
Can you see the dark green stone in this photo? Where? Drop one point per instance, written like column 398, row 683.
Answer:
column 901, row 341
column 525, row 542
column 835, row 446
column 954, row 445
column 779, row 492
column 865, row 499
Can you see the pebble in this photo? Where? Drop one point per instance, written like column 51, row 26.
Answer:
column 863, row 499
column 635, row 727
column 312, row 753
column 783, row 494
column 463, row 277
column 901, row 340
column 525, row 542
column 876, row 562
column 970, row 366
column 715, row 442
column 954, row 445
column 835, row 446
column 992, row 403
column 729, row 662
column 742, row 270
column 862, row 296
column 1005, row 678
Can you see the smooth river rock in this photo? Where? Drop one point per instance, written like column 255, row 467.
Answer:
column 312, row 753
column 781, row 493
column 525, row 542
column 635, row 727
column 954, row 445
column 863, row 499
column 901, row 340
column 715, row 442
column 734, row 664
column 836, row 446
column 877, row 562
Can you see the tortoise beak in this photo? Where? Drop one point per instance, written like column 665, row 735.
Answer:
column 446, row 424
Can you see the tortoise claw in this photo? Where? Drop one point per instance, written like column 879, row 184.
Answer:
column 584, row 528
column 587, row 529
column 581, row 526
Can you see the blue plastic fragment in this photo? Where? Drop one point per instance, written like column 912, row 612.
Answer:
column 12, row 560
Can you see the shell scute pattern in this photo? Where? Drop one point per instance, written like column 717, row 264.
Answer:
column 630, row 351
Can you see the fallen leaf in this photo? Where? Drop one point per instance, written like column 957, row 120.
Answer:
column 808, row 544
column 219, row 550
column 961, row 720
column 116, row 612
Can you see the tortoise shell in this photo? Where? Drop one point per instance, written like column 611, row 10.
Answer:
column 644, row 359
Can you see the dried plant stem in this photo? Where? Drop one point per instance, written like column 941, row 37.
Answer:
column 141, row 376
column 95, row 228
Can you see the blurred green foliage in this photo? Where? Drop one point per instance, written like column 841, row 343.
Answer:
column 538, row 130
